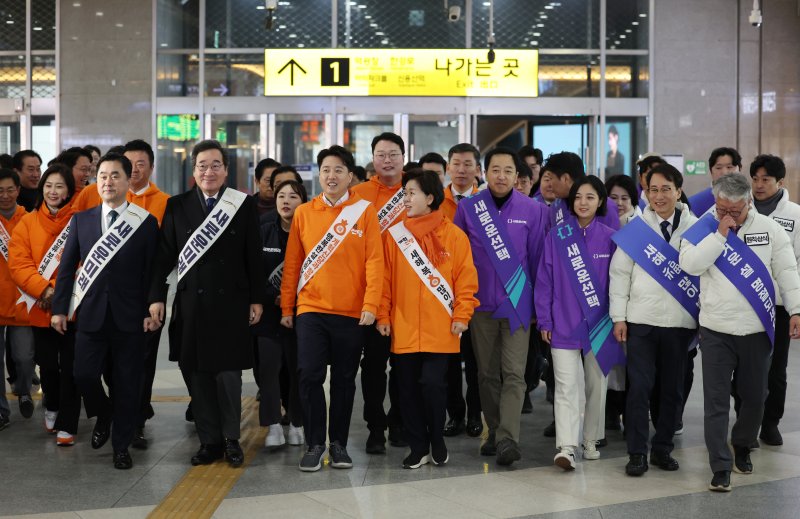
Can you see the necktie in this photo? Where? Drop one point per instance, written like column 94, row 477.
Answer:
column 664, row 230
column 210, row 203
column 459, row 197
column 113, row 215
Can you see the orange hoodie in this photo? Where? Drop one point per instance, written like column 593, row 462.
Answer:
column 376, row 192
column 31, row 239
column 449, row 205
column 9, row 315
column 419, row 322
column 350, row 282
column 153, row 200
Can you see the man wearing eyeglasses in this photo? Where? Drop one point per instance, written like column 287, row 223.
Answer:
column 211, row 233
column 744, row 260
column 385, row 191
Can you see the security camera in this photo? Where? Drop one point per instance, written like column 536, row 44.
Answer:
column 454, row 13
column 755, row 15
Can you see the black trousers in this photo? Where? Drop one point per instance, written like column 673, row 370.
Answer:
column 152, row 339
column 457, row 407
column 688, row 382
column 55, row 355
column 324, row 339
column 275, row 355
column 217, row 405
column 123, row 352
column 652, row 351
column 422, row 384
column 373, row 382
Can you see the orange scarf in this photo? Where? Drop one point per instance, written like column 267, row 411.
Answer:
column 423, row 227
column 54, row 224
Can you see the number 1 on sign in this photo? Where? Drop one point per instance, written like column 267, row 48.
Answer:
column 335, row 69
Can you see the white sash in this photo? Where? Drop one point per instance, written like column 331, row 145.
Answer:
column 103, row 250
column 48, row 265
column 210, row 230
column 428, row 274
column 391, row 210
column 4, row 239
column 330, row 241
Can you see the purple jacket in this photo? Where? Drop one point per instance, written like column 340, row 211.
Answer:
column 557, row 308
column 525, row 220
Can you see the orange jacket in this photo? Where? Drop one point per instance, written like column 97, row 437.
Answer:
column 10, row 315
column 376, row 192
column 153, row 200
column 350, row 282
column 449, row 205
column 419, row 322
column 31, row 239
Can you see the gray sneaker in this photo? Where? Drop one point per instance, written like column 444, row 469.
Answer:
column 312, row 459
column 339, row 457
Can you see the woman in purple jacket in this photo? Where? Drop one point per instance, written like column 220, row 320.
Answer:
column 576, row 259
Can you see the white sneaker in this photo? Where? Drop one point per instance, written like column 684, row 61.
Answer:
column 50, row 420
column 565, row 459
column 65, row 439
column 275, row 437
column 590, row 451
column 296, row 435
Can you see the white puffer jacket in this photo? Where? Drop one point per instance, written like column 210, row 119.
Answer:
column 722, row 307
column 635, row 296
column 787, row 214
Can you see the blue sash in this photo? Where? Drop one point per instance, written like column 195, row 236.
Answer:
column 571, row 249
column 655, row 256
column 494, row 237
column 701, row 202
column 744, row 269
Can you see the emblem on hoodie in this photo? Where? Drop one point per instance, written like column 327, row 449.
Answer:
column 785, row 223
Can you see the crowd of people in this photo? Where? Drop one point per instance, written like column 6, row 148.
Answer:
column 522, row 268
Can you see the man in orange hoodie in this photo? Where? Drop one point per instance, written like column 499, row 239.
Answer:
column 13, row 319
column 385, row 191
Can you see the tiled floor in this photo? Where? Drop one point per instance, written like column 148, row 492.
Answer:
column 47, row 481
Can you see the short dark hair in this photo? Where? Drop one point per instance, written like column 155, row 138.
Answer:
column 283, row 169
column 389, row 136
column 648, row 162
column 296, row 186
column 597, row 185
column 6, row 161
column 408, row 166
column 772, row 164
column 669, row 172
column 612, row 130
column 464, row 147
column 57, row 168
column 524, row 171
column 529, row 151
column 207, row 145
column 92, row 148
column 70, row 156
column 337, row 151
column 141, row 145
column 721, row 152
column 433, row 158
column 265, row 164
column 9, row 173
column 500, row 150
column 119, row 148
column 429, row 183
column 127, row 167
column 565, row 163
column 20, row 156
column 360, row 173
column 626, row 183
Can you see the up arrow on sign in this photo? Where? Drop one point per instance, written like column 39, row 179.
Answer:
column 292, row 64
column 221, row 90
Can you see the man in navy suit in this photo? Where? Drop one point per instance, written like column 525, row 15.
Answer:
column 114, row 244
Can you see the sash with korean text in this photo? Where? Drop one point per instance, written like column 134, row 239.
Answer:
column 431, row 278
column 659, row 259
column 4, row 239
column 391, row 210
column 104, row 250
column 575, row 260
column 496, row 241
column 210, row 230
column 48, row 265
column 743, row 268
column 333, row 237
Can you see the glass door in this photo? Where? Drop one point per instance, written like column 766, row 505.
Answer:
column 296, row 140
column 431, row 133
column 240, row 135
column 359, row 130
column 9, row 134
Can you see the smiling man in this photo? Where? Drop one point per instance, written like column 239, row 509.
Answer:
column 28, row 165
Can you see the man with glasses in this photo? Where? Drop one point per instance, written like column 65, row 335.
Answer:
column 744, row 259
column 721, row 162
column 385, row 191
column 211, row 233
column 28, row 165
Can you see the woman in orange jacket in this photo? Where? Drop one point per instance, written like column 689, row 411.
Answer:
column 31, row 242
column 429, row 290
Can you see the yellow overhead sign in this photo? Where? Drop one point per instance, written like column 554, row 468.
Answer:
column 400, row 72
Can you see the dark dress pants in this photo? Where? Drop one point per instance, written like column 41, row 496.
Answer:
column 373, row 382
column 457, row 407
column 217, row 405
column 146, row 411
column 323, row 339
column 422, row 384
column 275, row 355
column 55, row 355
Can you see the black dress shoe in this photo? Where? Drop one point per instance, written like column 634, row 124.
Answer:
column 663, row 460
column 454, row 427
column 139, row 441
column 102, row 430
column 207, row 454
column 771, row 435
column 233, row 453
column 527, row 405
column 396, row 437
column 488, row 447
column 122, row 460
column 474, row 426
column 376, row 443
column 601, row 442
column 637, row 465
column 189, row 415
column 550, row 430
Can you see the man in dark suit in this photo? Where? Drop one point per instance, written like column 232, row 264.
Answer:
column 114, row 243
column 212, row 234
